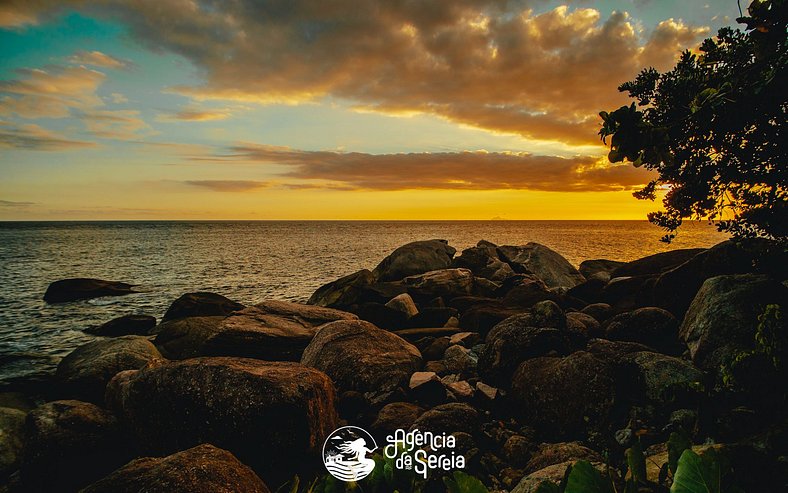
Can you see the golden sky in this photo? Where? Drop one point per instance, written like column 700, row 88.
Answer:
column 300, row 109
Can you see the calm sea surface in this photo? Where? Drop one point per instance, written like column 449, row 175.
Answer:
column 245, row 261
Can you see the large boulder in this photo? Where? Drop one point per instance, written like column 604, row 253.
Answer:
column 200, row 469
column 449, row 418
column 482, row 260
column 523, row 290
column 656, row 263
column 86, row 370
column 84, row 289
column 599, row 268
column 201, row 304
column 395, row 416
column 184, row 337
column 675, row 289
column 663, row 379
column 11, row 439
column 446, row 283
column 543, row 262
column 515, row 340
column 565, row 397
column 654, row 327
column 532, row 483
column 123, row 326
column 549, row 454
column 723, row 318
column 274, row 416
column 415, row 258
column 359, row 356
column 272, row 330
column 69, row 444
column 344, row 292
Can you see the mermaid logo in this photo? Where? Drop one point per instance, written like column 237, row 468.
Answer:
column 345, row 453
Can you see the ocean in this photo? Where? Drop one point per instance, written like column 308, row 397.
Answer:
column 247, row 261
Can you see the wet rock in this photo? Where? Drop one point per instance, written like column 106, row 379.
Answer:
column 432, row 317
column 125, row 325
column 517, row 450
column 524, row 290
column 396, row 416
column 564, row 397
column 233, row 403
column 200, row 469
column 448, row 418
column 69, row 444
column 613, row 351
column 381, row 316
column 665, row 380
column 272, row 330
column 446, row 283
column 184, row 337
column 462, row 390
column 723, row 318
column 483, row 261
column 403, row 303
column 600, row 311
column 513, row 341
column 591, row 268
column 552, row 474
column 85, row 371
column 201, row 304
column 465, row 339
column 654, row 327
column 628, row 293
column 413, row 259
column 11, row 439
column 436, row 349
column 549, row 454
column 427, row 388
column 655, row 264
column 84, row 289
column 590, row 325
column 359, row 356
column 590, row 290
column 675, row 289
column 459, row 359
column 487, row 393
column 545, row 263
column 343, row 292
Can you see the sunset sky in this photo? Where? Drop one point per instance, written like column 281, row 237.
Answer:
column 299, row 109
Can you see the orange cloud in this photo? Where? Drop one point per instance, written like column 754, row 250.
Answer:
column 491, row 64
column 97, row 59
column 35, row 138
column 228, row 185
column 477, row 170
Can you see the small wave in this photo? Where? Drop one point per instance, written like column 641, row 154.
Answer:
column 345, row 472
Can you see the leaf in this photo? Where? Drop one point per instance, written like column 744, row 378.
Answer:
column 547, row 487
column 697, row 474
column 584, row 478
column 678, row 442
column 460, row 482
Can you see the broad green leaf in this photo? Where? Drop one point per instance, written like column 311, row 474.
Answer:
column 584, row 478
column 678, row 442
column 459, row 482
column 697, row 474
column 547, row 487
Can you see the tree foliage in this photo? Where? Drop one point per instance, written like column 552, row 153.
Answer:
column 713, row 128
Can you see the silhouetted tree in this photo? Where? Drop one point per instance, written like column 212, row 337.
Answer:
column 714, row 129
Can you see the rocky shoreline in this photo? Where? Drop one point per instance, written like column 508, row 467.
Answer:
column 533, row 366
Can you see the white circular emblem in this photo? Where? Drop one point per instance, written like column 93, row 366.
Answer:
column 345, row 453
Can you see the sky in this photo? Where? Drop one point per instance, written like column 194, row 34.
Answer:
column 314, row 109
